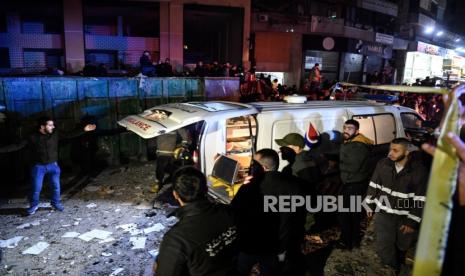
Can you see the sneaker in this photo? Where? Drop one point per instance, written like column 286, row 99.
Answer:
column 32, row 210
column 58, row 206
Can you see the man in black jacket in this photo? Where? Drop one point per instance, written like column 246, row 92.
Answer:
column 43, row 145
column 146, row 65
column 353, row 165
column 397, row 190
column 266, row 237
column 203, row 241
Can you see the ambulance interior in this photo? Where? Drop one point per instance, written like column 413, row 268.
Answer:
column 232, row 168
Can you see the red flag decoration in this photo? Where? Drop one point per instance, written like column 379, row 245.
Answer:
column 312, row 136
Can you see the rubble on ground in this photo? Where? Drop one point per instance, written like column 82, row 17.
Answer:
column 86, row 239
column 111, row 228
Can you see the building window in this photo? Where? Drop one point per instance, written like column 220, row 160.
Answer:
column 36, row 60
column 37, row 24
column 142, row 22
column 118, row 18
column 107, row 57
column 3, row 23
column 381, row 128
column 45, row 17
column 4, row 58
column 101, row 25
column 434, row 9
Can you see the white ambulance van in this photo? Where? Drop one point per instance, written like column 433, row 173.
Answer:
column 234, row 131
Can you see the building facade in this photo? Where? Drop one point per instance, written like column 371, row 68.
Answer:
column 68, row 34
column 351, row 40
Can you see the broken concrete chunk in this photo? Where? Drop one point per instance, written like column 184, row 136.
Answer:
column 131, row 228
column 92, row 188
column 36, row 249
column 116, row 271
column 144, row 206
column 28, row 225
column 95, row 233
column 150, row 214
column 153, row 253
column 138, row 242
column 110, row 239
column 156, row 228
column 70, row 235
column 10, row 243
column 172, row 220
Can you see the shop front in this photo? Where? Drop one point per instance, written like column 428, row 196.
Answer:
column 343, row 58
column 432, row 61
column 365, row 58
column 326, row 51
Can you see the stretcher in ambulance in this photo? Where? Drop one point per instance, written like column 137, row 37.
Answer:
column 227, row 134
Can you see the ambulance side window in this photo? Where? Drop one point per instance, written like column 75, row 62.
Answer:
column 240, row 141
column 411, row 120
column 381, row 128
column 413, row 126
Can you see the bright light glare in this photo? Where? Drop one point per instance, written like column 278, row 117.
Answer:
column 439, row 33
column 429, row 30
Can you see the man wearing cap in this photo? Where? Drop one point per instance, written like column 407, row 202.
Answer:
column 355, row 173
column 305, row 167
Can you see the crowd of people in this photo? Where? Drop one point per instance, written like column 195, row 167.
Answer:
column 244, row 238
column 240, row 239
column 165, row 69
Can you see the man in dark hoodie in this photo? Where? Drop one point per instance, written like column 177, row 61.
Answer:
column 267, row 237
column 203, row 240
column 355, row 173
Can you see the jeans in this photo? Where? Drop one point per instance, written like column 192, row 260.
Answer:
column 38, row 173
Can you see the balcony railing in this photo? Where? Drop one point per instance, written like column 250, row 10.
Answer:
column 321, row 24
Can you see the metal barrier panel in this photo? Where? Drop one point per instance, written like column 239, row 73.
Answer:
column 68, row 99
column 226, row 89
column 125, row 100
column 150, row 92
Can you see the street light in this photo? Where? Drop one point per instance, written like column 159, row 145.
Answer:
column 457, row 40
column 439, row 33
column 429, row 29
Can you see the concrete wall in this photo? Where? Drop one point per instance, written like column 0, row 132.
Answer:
column 280, row 52
column 67, row 100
